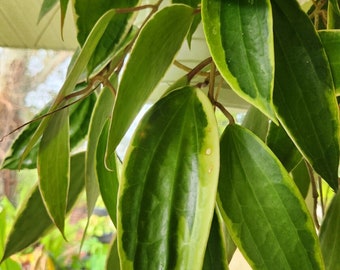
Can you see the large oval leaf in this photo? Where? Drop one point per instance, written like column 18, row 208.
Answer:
column 240, row 39
column 262, row 208
column 304, row 94
column 330, row 41
column 33, row 221
column 168, row 186
column 330, row 235
column 150, row 58
column 54, row 167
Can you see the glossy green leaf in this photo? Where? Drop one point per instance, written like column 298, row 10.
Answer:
column 240, row 39
column 215, row 253
column 151, row 56
column 101, row 113
column 114, row 33
column 330, row 235
column 46, row 7
column 283, row 147
column 262, row 208
column 168, row 184
column 33, row 221
column 331, row 40
column 112, row 261
column 257, row 122
column 79, row 124
column 54, row 167
column 78, row 67
column 304, row 94
column 108, row 180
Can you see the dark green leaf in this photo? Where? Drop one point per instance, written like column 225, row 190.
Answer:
column 150, row 58
column 283, row 147
column 63, row 9
column 333, row 18
column 335, row 6
column 330, row 41
column 108, row 180
column 114, row 33
column 240, row 38
column 215, row 253
column 304, row 94
column 262, row 208
column 168, row 185
column 330, row 235
column 54, row 167
column 33, row 221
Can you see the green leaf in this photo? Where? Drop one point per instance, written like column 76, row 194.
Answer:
column 108, row 180
column 101, row 113
column 168, row 184
column 330, row 40
column 333, row 17
column 301, row 178
column 283, row 147
column 335, row 6
column 71, row 80
column 114, row 33
column 33, row 217
column 151, row 56
column 112, row 262
column 54, row 167
column 215, row 253
column 330, row 235
column 79, row 124
column 240, row 39
column 257, row 122
column 262, row 208
column 63, row 9
column 304, row 94
column 46, row 7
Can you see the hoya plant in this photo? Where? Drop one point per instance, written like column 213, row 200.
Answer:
column 185, row 195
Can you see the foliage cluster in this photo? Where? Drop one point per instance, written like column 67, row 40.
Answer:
column 183, row 193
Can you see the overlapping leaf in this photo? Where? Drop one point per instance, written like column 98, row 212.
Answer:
column 101, row 113
column 151, row 56
column 330, row 41
column 330, row 235
column 54, row 167
column 304, row 94
column 79, row 115
column 33, row 221
column 262, row 208
column 168, row 184
column 240, row 38
column 87, row 14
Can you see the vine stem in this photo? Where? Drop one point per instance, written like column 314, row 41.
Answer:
column 198, row 68
column 314, row 193
column 225, row 112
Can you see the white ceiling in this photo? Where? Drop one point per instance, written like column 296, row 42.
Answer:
column 20, row 29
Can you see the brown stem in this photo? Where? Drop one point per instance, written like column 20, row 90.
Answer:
column 198, row 68
column 188, row 69
column 225, row 112
column 315, row 194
